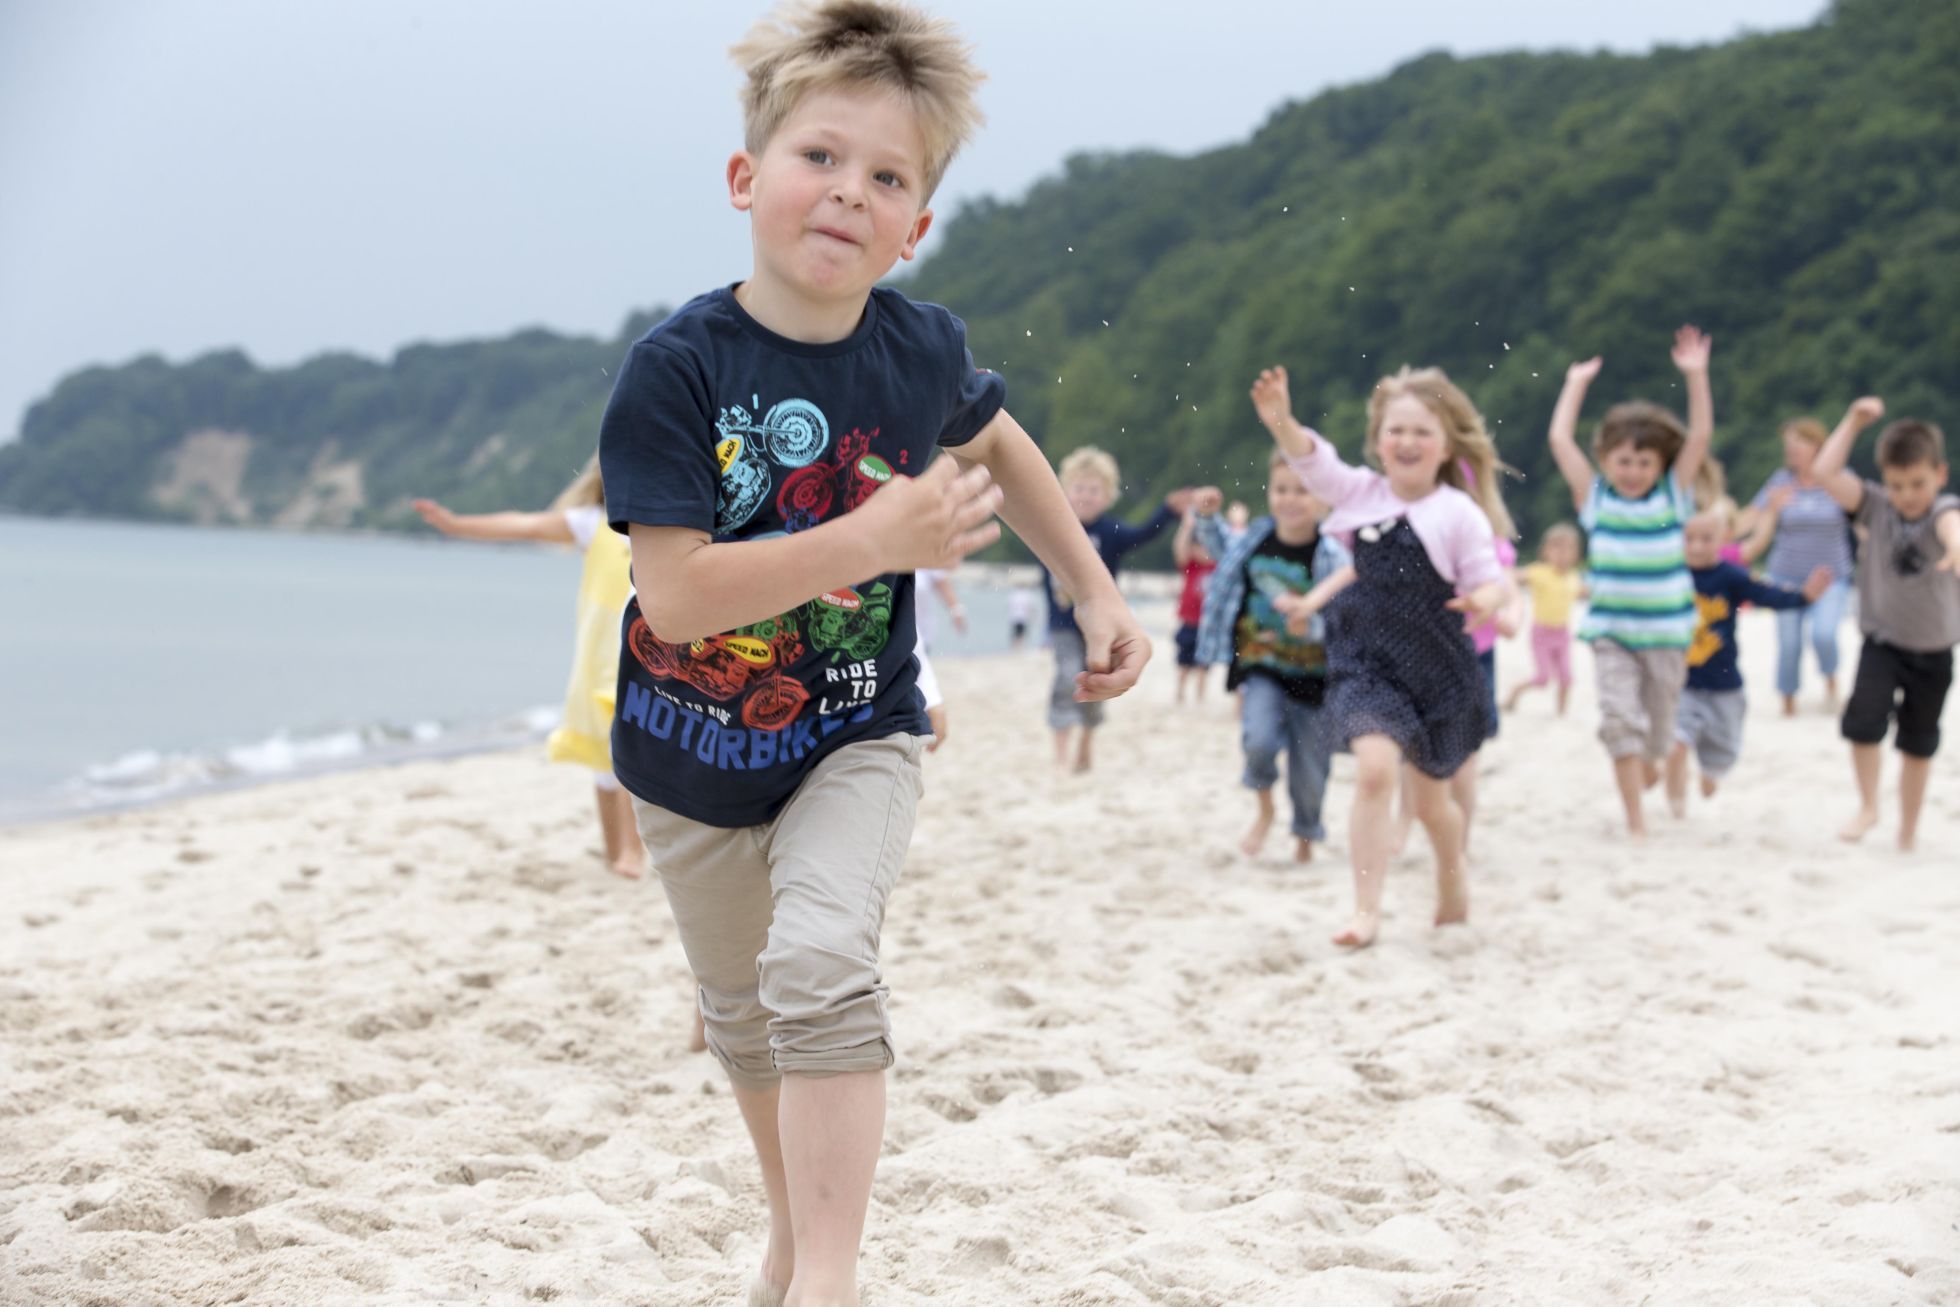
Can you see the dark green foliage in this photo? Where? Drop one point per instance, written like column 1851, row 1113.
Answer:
column 1797, row 195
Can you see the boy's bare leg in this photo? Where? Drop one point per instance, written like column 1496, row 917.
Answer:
column 625, row 855
column 1082, row 751
column 1262, row 823
column 1377, row 777
column 1630, row 774
column 1061, row 745
column 1865, row 763
column 1789, row 705
column 1913, row 774
column 1677, row 780
column 761, row 1109
column 832, row 1128
column 1436, row 806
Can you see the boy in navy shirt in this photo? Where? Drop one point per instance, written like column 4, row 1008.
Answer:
column 1708, row 719
column 769, row 451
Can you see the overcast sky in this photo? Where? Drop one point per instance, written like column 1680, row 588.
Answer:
column 292, row 176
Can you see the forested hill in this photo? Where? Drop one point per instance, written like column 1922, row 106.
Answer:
column 1798, row 195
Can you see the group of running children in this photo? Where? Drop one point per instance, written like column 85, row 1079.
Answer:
column 770, row 446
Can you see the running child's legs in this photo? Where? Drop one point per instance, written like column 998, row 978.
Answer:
column 1911, row 687
column 1437, row 810
column 624, row 854
column 1309, row 757
column 1064, row 713
column 781, row 925
column 1709, row 722
column 1638, row 690
column 1377, row 775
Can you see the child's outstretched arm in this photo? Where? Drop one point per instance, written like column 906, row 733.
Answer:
column 1828, row 468
column 1327, row 478
column 1692, row 347
column 1032, row 503
column 1947, row 528
column 1573, row 465
column 546, row 527
column 1767, row 594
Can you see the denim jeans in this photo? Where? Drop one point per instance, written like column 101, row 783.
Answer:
column 1824, row 617
column 1273, row 721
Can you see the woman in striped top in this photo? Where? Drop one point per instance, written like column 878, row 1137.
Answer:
column 1642, row 613
column 1810, row 533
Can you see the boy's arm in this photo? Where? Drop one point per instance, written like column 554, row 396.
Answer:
column 1124, row 536
column 1692, row 347
column 1031, row 502
column 691, row 587
column 1828, row 468
column 548, row 528
column 1327, row 478
column 1767, row 594
column 1947, row 527
column 1573, row 465
column 949, row 595
column 1184, row 543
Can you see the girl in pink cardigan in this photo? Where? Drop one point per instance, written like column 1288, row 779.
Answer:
column 1402, row 677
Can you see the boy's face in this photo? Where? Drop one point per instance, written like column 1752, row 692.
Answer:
column 1913, row 488
column 837, row 196
column 1293, row 509
column 1701, row 540
column 1630, row 470
column 1088, row 495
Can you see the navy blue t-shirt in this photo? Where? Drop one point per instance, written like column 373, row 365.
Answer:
column 1719, row 591
column 1112, row 538
column 720, row 425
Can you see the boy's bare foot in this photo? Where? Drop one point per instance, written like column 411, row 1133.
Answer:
column 1302, row 850
column 1262, row 823
column 1855, row 829
column 1789, row 705
column 1708, row 787
column 1358, row 933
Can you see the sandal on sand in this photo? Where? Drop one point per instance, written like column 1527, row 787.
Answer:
column 764, row 1294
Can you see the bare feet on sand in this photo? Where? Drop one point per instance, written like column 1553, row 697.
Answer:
column 1262, row 825
column 1302, row 850
column 1452, row 898
column 1855, row 829
column 1358, row 933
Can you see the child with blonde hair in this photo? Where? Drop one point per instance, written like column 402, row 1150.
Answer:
column 1555, row 585
column 1642, row 613
column 1403, row 679
column 1090, row 480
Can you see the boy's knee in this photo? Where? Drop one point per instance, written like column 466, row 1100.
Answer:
column 828, row 1007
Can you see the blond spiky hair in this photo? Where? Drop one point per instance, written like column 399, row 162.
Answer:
column 805, row 47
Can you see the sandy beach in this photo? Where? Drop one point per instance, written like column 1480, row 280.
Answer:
column 395, row 1037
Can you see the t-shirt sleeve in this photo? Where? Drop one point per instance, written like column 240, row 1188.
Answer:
column 1873, row 502
column 584, row 523
column 977, row 394
column 657, row 443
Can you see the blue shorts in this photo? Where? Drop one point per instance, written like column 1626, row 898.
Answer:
column 1187, row 646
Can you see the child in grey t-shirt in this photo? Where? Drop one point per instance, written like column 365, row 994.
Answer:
column 1908, row 603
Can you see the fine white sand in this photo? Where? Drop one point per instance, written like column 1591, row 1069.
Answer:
column 396, row 1037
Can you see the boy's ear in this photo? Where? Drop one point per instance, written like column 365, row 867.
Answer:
column 920, row 225
column 741, row 180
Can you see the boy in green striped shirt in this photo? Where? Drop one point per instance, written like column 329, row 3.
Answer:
column 1642, row 612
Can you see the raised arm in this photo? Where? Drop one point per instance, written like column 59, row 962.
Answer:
column 1327, row 478
column 546, row 528
column 1123, row 536
column 1829, row 468
column 1184, row 545
column 1692, row 347
column 1207, row 534
column 1573, row 465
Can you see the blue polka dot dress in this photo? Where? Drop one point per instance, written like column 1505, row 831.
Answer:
column 1399, row 663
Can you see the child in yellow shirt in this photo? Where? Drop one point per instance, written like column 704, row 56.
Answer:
column 1556, row 585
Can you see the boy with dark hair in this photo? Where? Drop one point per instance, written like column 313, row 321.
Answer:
column 1908, row 603
column 760, row 450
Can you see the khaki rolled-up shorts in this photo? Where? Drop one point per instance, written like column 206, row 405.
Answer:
column 781, row 922
column 1639, row 690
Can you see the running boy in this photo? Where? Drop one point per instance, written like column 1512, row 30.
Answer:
column 1642, row 614
column 757, row 451
column 1709, row 717
column 1908, row 603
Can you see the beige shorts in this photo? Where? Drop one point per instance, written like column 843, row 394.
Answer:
column 781, row 922
column 1638, row 692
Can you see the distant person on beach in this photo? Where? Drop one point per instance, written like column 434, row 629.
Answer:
column 584, row 734
column 1641, row 617
column 1020, row 616
column 1806, row 528
column 1908, row 603
column 1255, row 622
column 939, row 582
column 1090, row 480
column 1709, row 718
column 1403, row 680
column 769, row 450
column 1555, row 585
column 1196, row 564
